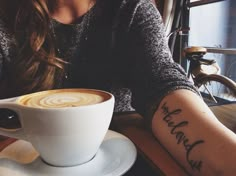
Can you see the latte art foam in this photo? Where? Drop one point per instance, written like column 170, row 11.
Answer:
column 61, row 99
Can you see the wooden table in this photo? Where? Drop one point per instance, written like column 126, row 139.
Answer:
column 226, row 114
column 153, row 159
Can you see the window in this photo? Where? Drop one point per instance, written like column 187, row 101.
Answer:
column 213, row 25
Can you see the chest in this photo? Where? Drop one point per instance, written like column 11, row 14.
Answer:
column 89, row 55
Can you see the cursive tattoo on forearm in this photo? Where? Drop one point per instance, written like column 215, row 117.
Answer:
column 181, row 138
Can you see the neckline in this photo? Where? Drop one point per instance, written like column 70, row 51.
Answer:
column 79, row 20
column 58, row 23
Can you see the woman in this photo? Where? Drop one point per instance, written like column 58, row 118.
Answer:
column 119, row 46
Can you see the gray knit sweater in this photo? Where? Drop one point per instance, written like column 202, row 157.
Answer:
column 118, row 46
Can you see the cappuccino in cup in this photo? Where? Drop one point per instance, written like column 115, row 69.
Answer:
column 63, row 98
column 65, row 126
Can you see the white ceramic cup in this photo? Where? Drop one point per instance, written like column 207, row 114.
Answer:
column 64, row 135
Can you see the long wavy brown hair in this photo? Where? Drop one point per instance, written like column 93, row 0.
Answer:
column 35, row 66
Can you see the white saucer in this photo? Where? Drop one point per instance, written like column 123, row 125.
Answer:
column 114, row 158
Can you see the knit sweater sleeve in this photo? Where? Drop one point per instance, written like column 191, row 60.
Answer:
column 7, row 48
column 2, row 44
column 1, row 63
column 152, row 73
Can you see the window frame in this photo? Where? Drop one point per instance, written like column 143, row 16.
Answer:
column 219, row 50
column 202, row 2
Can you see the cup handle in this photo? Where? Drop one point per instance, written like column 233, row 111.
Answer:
column 10, row 124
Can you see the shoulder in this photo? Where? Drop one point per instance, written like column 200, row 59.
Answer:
column 134, row 3
column 134, row 11
column 131, row 6
column 126, row 6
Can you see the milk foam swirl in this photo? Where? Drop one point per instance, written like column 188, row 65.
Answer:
column 62, row 99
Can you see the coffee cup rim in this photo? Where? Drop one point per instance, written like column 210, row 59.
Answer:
column 109, row 97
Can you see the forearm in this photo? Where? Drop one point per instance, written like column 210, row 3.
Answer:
column 193, row 135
